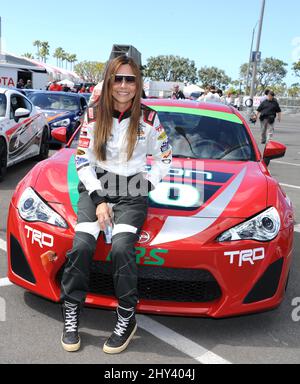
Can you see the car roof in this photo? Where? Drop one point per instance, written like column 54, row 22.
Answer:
column 4, row 90
column 218, row 107
column 71, row 94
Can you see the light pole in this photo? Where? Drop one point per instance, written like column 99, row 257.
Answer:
column 250, row 58
column 253, row 84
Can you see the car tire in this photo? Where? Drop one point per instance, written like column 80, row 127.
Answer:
column 44, row 148
column 3, row 159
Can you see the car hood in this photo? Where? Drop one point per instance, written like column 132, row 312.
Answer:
column 193, row 188
column 53, row 115
column 195, row 194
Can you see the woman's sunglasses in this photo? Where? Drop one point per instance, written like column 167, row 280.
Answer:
column 130, row 79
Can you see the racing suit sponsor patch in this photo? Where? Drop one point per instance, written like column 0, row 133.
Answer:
column 80, row 152
column 81, row 162
column 167, row 154
column 141, row 135
column 91, row 115
column 160, row 129
column 163, row 136
column 84, row 142
column 149, row 117
column 165, row 147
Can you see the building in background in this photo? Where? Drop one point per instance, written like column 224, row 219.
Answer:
column 13, row 68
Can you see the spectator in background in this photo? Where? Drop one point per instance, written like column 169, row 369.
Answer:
column 266, row 113
column 203, row 96
column 229, row 99
column 82, row 90
column 265, row 97
column 177, row 94
column 212, row 95
column 55, row 87
column 66, row 88
column 222, row 96
column 28, row 85
column 20, row 84
column 238, row 102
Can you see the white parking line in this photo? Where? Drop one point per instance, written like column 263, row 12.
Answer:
column 284, row 163
column 179, row 342
column 297, row 228
column 290, row 186
column 5, row 282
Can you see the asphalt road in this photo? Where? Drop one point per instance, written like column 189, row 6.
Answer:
column 32, row 327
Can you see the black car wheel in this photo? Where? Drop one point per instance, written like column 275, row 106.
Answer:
column 3, row 159
column 44, row 149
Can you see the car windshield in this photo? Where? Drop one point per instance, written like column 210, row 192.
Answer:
column 50, row 101
column 203, row 137
column 3, row 104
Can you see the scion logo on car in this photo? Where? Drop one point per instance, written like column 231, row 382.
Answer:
column 250, row 256
column 144, row 238
column 152, row 257
column 42, row 239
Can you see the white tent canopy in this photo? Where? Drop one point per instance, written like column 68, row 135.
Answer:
column 67, row 82
column 191, row 89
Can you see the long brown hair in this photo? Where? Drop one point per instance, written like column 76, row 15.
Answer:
column 105, row 109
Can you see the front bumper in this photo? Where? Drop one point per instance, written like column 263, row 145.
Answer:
column 186, row 279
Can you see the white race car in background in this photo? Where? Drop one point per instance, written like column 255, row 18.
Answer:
column 24, row 130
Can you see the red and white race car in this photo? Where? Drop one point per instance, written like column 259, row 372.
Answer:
column 24, row 130
column 219, row 234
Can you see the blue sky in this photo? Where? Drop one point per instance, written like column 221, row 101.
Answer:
column 212, row 33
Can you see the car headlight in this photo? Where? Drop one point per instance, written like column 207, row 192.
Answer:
column 33, row 209
column 264, row 227
column 61, row 123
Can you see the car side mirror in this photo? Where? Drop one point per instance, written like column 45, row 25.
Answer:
column 22, row 113
column 274, row 150
column 60, row 134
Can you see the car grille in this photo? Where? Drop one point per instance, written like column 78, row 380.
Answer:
column 159, row 284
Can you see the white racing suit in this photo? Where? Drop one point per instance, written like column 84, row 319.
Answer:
column 124, row 184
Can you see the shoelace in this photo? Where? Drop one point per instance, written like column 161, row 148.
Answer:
column 71, row 320
column 122, row 324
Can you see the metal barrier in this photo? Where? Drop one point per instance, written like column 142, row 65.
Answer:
column 289, row 104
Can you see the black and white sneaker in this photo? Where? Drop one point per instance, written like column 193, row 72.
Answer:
column 70, row 339
column 125, row 330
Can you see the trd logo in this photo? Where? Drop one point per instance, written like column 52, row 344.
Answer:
column 38, row 237
column 248, row 256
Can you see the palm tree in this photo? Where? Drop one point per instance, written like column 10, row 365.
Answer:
column 38, row 43
column 58, row 54
column 45, row 50
column 64, row 58
column 68, row 56
column 28, row 55
column 72, row 60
